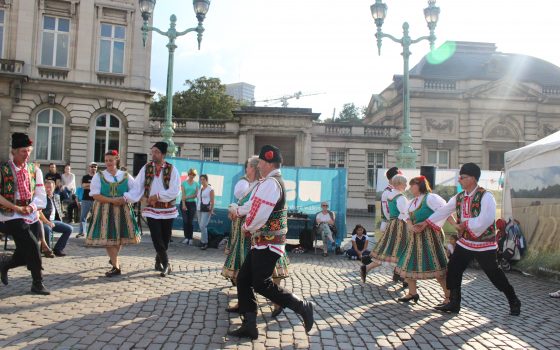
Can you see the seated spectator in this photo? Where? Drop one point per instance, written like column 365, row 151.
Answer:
column 360, row 243
column 451, row 245
column 51, row 218
column 324, row 221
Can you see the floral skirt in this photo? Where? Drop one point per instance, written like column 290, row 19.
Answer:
column 112, row 225
column 239, row 247
column 392, row 243
column 424, row 256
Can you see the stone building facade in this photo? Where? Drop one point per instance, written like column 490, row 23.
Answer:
column 75, row 76
column 474, row 106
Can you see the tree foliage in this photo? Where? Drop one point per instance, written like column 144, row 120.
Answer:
column 349, row 114
column 204, row 98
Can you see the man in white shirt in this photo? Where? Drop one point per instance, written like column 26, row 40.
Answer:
column 476, row 214
column 22, row 194
column 159, row 182
column 267, row 224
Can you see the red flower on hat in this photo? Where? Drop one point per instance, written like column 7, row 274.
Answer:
column 30, row 143
column 422, row 177
column 268, row 155
column 114, row 153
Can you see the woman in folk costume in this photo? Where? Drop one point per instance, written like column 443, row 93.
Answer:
column 113, row 223
column 392, row 243
column 424, row 256
column 239, row 245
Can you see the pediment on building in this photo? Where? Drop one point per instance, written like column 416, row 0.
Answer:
column 505, row 89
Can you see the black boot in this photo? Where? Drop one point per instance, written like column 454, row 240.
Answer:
column 158, row 266
column 514, row 303
column 305, row 310
column 248, row 328
column 454, row 304
column 38, row 288
column 4, row 273
column 166, row 270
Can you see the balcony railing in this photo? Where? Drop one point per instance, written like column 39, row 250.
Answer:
column 437, row 84
column 551, row 90
column 380, row 131
column 11, row 66
column 336, row 129
column 192, row 125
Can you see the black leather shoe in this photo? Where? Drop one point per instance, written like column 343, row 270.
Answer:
column 165, row 271
column 454, row 304
column 408, row 298
column 306, row 312
column 4, row 274
column 113, row 272
column 158, row 266
column 233, row 309
column 277, row 311
column 248, row 328
column 39, row 288
column 515, row 307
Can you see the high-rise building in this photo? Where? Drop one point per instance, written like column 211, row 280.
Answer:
column 242, row 92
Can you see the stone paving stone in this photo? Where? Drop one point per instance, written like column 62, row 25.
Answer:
column 187, row 309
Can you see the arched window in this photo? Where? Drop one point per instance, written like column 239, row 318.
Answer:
column 50, row 135
column 107, row 136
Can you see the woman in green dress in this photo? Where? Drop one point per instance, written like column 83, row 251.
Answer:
column 424, row 256
column 239, row 245
column 113, row 223
column 393, row 241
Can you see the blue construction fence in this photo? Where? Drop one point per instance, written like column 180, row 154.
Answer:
column 306, row 188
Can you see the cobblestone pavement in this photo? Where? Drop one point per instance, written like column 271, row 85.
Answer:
column 141, row 310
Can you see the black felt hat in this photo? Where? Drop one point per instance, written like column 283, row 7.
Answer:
column 470, row 169
column 270, row 154
column 392, row 172
column 20, row 140
column 162, row 146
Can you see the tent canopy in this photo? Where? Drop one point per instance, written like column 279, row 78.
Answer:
column 518, row 156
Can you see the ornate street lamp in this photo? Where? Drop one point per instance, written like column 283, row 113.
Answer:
column 146, row 9
column 406, row 156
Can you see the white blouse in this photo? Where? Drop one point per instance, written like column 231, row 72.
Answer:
column 95, row 186
column 402, row 204
column 69, row 181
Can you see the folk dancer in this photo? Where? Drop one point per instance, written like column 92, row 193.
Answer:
column 113, row 222
column 392, row 243
column 424, row 256
column 22, row 194
column 476, row 214
column 267, row 224
column 239, row 245
column 159, row 183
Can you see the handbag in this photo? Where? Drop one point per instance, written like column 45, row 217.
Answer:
column 205, row 208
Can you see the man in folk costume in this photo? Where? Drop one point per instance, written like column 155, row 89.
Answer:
column 476, row 214
column 22, row 193
column 267, row 225
column 159, row 183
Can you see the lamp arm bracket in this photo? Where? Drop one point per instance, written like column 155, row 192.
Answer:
column 154, row 29
column 420, row 39
column 384, row 35
column 186, row 31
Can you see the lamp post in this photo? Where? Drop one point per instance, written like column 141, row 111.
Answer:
column 147, row 8
column 406, row 156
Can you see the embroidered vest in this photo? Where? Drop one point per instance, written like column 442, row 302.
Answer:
column 422, row 213
column 151, row 173
column 393, row 209
column 487, row 236
column 276, row 227
column 8, row 184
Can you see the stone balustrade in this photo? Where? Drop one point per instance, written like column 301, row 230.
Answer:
column 193, row 125
column 11, row 66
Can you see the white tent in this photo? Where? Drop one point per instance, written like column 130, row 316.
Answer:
column 531, row 190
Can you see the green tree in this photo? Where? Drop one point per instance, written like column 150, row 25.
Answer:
column 204, row 98
column 350, row 113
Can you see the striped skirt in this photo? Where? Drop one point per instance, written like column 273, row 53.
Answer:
column 424, row 256
column 392, row 243
column 112, row 225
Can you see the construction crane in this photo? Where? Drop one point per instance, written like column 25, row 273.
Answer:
column 284, row 99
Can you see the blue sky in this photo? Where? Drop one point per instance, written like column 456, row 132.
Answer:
column 329, row 47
